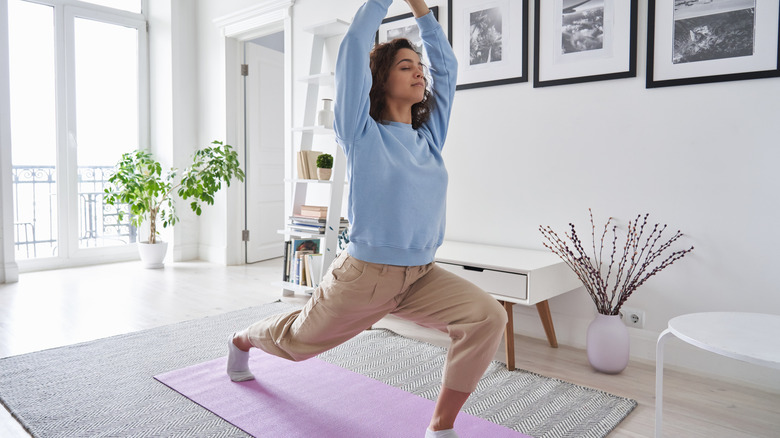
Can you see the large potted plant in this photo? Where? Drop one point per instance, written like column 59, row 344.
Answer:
column 138, row 182
column 607, row 338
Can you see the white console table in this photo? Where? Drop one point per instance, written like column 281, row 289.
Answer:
column 749, row 337
column 512, row 276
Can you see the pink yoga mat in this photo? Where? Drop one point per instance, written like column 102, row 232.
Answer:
column 314, row 398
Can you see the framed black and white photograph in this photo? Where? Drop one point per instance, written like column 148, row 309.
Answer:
column 701, row 41
column 403, row 26
column 490, row 40
column 584, row 41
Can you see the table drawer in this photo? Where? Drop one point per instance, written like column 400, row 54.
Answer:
column 499, row 283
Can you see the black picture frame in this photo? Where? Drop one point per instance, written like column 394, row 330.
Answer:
column 403, row 24
column 475, row 70
column 673, row 61
column 603, row 48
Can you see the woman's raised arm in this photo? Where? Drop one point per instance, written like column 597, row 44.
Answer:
column 419, row 8
column 353, row 74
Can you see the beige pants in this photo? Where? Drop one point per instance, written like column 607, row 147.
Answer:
column 355, row 294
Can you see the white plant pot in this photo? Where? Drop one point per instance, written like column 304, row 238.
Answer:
column 152, row 255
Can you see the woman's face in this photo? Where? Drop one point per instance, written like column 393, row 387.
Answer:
column 406, row 81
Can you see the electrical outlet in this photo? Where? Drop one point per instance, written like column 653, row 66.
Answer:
column 633, row 317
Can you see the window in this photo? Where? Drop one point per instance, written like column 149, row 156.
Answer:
column 107, row 109
column 126, row 5
column 78, row 81
column 33, row 128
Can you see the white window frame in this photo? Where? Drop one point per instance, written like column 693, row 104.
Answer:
column 65, row 13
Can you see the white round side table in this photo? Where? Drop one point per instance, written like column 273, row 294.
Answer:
column 749, row 337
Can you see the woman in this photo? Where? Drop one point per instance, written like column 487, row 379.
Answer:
column 392, row 129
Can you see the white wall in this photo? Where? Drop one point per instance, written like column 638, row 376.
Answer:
column 160, row 92
column 212, row 124
column 173, row 97
column 700, row 158
column 185, row 117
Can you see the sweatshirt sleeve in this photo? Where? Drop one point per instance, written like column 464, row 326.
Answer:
column 444, row 70
column 353, row 74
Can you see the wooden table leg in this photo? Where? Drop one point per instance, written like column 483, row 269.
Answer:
column 544, row 313
column 509, row 336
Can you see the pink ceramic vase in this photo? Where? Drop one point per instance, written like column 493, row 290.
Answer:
column 608, row 344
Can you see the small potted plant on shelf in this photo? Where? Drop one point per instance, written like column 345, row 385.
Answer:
column 139, row 183
column 324, row 166
column 607, row 337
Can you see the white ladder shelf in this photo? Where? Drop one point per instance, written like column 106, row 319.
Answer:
column 315, row 80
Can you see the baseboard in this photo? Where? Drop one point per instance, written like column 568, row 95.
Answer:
column 681, row 356
column 10, row 273
column 184, row 252
column 97, row 256
column 212, row 254
column 678, row 355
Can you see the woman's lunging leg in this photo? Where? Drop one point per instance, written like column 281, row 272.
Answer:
column 474, row 321
column 352, row 296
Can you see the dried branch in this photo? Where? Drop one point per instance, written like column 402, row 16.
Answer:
column 637, row 262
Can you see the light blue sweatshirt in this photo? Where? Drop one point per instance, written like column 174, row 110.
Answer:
column 398, row 182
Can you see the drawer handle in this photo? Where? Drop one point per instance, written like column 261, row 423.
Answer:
column 473, row 268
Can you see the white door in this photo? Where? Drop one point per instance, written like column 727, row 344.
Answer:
column 265, row 152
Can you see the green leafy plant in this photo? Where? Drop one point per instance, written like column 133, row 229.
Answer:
column 325, row 161
column 138, row 182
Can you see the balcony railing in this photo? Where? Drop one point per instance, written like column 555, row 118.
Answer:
column 36, row 215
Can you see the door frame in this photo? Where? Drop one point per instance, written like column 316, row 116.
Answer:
column 266, row 71
column 9, row 270
column 272, row 16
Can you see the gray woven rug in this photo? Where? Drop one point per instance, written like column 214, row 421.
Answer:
column 104, row 388
column 526, row 402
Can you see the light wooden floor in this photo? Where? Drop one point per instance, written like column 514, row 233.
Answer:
column 54, row 308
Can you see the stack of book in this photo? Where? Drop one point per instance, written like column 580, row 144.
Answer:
column 313, row 225
column 303, row 262
column 314, row 211
column 307, row 164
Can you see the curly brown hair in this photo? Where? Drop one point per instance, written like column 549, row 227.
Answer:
column 382, row 57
